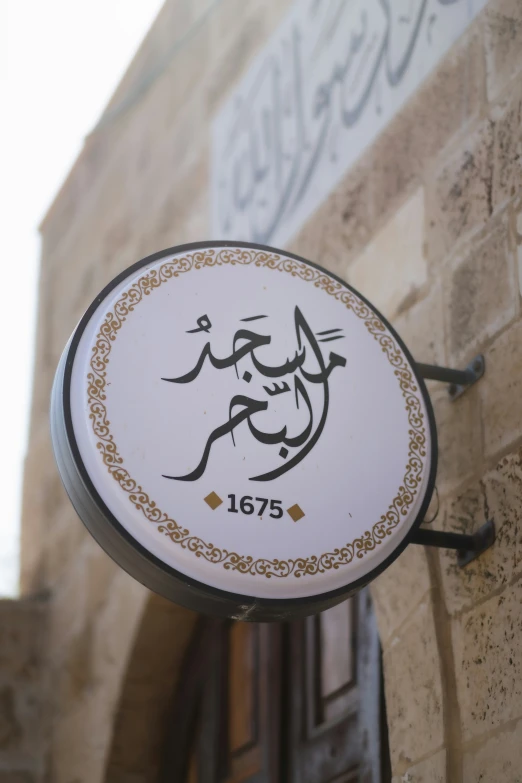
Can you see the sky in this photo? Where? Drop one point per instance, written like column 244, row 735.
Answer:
column 60, row 61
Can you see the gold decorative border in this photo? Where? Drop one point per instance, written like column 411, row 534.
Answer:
column 247, row 564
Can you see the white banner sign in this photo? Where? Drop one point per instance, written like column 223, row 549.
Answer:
column 234, row 427
column 326, row 84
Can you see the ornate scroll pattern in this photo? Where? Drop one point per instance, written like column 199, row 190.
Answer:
column 247, row 564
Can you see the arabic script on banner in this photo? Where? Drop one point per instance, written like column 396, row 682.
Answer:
column 326, row 84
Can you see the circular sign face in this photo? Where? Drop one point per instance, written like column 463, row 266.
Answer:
column 242, row 431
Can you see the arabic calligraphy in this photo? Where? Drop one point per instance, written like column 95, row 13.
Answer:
column 271, row 567
column 327, row 83
column 244, row 408
column 203, row 325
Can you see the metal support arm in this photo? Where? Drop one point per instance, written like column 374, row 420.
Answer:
column 468, row 546
column 459, row 380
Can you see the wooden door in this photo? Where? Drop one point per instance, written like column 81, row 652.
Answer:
column 337, row 730
column 267, row 703
column 253, row 709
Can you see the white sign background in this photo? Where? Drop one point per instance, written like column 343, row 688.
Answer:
column 155, row 428
column 329, row 80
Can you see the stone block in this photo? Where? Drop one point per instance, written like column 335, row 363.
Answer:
column 431, row 770
column 440, row 108
column 501, row 391
column 80, row 740
column 177, row 205
column 344, row 221
column 67, row 617
column 503, row 487
column 480, row 290
column 11, row 730
column 507, row 163
column 101, row 572
column 150, row 680
column 392, row 269
column 230, row 20
column 497, row 759
column 197, row 226
column 399, row 590
column 23, row 679
column 503, row 42
column 421, row 326
column 39, row 465
column 22, row 628
column 413, row 689
column 115, row 625
column 308, row 242
column 497, row 496
column 459, row 197
column 459, row 434
column 63, row 540
column 518, row 239
column 488, row 662
column 232, row 61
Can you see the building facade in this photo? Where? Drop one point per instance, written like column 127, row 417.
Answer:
column 423, row 216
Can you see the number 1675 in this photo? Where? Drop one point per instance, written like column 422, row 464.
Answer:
column 246, row 506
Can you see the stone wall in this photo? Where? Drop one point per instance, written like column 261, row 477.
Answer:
column 22, row 691
column 428, row 225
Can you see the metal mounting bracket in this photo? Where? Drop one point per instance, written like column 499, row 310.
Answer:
column 459, row 380
column 468, row 546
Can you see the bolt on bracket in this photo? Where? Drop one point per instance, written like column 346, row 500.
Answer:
column 458, row 380
column 468, row 547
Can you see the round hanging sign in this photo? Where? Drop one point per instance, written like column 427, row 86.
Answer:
column 242, row 431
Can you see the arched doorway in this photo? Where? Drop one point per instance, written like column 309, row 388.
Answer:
column 269, row 703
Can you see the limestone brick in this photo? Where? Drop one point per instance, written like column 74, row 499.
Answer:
column 413, row 689
column 172, row 22
column 101, row 572
column 10, row 726
column 459, row 435
column 68, row 618
column 308, row 242
column 488, row 662
column 443, row 105
column 37, row 470
column 504, row 498
column 518, row 238
column 497, row 759
column 230, row 19
column 196, row 227
column 22, row 689
column 344, row 223
column 399, row 590
column 232, row 60
column 21, row 633
column 63, row 540
column 459, row 195
column 507, row 164
column 146, row 698
column 503, row 41
column 87, row 679
column 477, row 310
column 392, row 269
column 421, row 326
column 497, row 496
column 431, row 770
column 72, row 759
column 501, row 391
column 115, row 625
column 180, row 209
